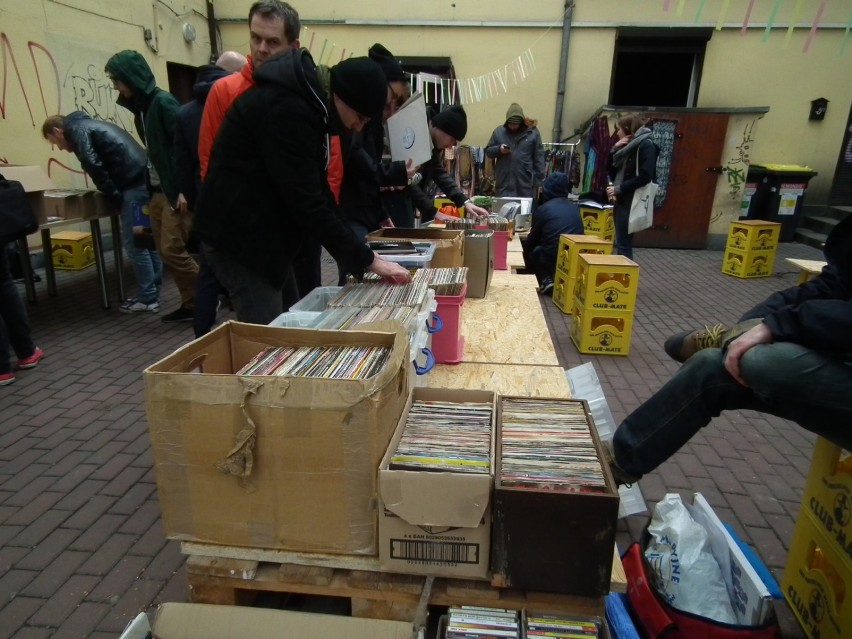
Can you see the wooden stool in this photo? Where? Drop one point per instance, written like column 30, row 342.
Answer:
column 806, row 268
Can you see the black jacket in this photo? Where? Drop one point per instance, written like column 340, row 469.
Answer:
column 433, row 171
column 550, row 220
column 817, row 314
column 186, row 134
column 646, row 153
column 109, row 154
column 266, row 186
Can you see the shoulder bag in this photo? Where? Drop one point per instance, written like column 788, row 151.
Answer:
column 17, row 219
column 642, row 205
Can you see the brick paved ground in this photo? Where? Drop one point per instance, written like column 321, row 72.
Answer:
column 81, row 545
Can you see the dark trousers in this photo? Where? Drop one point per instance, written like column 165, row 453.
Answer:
column 207, row 291
column 14, row 323
column 540, row 261
column 360, row 231
column 307, row 270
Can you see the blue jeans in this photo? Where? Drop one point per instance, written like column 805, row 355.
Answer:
column 621, row 220
column 147, row 266
column 14, row 323
column 785, row 379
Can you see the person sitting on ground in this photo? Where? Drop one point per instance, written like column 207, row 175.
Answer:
column 447, row 129
column 555, row 215
column 789, row 356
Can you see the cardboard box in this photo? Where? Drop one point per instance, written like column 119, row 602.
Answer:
column 205, row 621
column 817, row 583
column 299, row 456
column 35, row 181
column 435, row 523
column 72, row 250
column 553, row 541
column 828, row 495
column 70, row 204
column 479, row 260
column 449, row 251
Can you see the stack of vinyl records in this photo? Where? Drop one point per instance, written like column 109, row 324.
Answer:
column 572, row 627
column 330, row 362
column 444, row 281
column 474, row 622
column 380, row 294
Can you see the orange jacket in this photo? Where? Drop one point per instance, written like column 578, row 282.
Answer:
column 335, row 166
column 221, row 97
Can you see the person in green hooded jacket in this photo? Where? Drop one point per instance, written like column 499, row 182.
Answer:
column 518, row 152
column 155, row 116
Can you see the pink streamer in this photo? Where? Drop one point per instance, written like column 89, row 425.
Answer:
column 814, row 26
column 667, row 5
column 751, row 4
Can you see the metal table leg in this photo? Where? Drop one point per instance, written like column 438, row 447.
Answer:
column 27, row 269
column 118, row 255
column 100, row 263
column 49, row 271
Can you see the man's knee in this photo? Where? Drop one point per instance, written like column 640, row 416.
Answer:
column 774, row 367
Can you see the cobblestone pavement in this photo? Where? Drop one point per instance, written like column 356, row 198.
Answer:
column 82, row 549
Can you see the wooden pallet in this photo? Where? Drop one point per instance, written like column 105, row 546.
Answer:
column 375, row 595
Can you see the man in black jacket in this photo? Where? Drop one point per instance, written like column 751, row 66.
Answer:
column 266, row 187
column 116, row 163
column 790, row 356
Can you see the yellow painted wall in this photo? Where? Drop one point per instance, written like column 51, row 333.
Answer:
column 52, row 56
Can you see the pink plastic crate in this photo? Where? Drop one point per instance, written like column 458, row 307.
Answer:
column 448, row 343
column 501, row 247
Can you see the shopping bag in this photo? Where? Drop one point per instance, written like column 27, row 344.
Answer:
column 642, row 205
column 17, row 219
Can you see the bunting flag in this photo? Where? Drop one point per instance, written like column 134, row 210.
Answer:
column 846, row 35
column 771, row 19
column 747, row 16
column 813, row 30
column 796, row 12
column 726, row 4
column 322, row 49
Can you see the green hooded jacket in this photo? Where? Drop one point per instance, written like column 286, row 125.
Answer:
column 155, row 114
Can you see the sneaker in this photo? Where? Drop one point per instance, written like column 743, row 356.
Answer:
column 182, row 314
column 621, row 477
column 6, row 378
column 682, row 346
column 135, row 306
column 32, row 360
column 546, row 288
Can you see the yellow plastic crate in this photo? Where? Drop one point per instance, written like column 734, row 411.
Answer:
column 747, row 264
column 606, row 282
column 597, row 221
column 753, row 235
column 828, row 495
column 563, row 291
column 570, row 246
column 72, row 250
column 817, row 583
column 597, row 332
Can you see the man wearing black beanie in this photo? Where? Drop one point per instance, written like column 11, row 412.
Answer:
column 447, row 129
column 266, row 190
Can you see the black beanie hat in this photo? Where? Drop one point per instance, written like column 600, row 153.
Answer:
column 361, row 84
column 384, row 58
column 452, row 121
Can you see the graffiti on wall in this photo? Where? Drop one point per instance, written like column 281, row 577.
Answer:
column 736, row 166
column 94, row 95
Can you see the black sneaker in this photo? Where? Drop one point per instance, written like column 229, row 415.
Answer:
column 182, row 314
column 546, row 287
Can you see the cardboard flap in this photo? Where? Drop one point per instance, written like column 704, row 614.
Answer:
column 436, row 499
column 32, row 178
column 205, row 621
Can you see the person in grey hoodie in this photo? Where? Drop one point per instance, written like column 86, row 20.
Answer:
column 516, row 146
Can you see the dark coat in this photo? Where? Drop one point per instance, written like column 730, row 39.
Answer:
column 550, row 220
column 647, row 156
column 109, row 154
column 266, row 186
column 154, row 112
column 187, row 166
column 817, row 314
column 433, row 171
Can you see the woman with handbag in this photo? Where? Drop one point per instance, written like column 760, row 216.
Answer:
column 632, row 164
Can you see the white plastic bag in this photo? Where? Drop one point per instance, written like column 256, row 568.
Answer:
column 686, row 573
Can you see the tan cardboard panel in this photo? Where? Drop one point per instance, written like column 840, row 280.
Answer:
column 32, row 178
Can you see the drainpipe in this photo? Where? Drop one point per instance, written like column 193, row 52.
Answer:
column 563, row 70
column 214, row 36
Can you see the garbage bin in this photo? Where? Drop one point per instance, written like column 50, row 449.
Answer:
column 775, row 192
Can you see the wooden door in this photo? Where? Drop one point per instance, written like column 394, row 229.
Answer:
column 684, row 218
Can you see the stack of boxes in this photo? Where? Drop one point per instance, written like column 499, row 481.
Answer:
column 817, row 580
column 604, row 300
column 570, row 247
column 750, row 251
column 597, row 220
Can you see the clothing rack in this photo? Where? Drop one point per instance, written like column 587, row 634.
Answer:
column 569, row 148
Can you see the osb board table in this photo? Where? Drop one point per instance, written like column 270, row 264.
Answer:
column 505, row 379
column 807, row 268
column 507, row 326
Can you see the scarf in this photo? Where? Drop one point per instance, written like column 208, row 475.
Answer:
column 620, row 156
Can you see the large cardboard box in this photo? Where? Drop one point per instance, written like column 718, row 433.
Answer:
column 205, row 621
column 271, row 462
column 479, row 260
column 435, row 523
column 35, row 181
column 449, row 251
column 70, row 204
column 549, row 540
